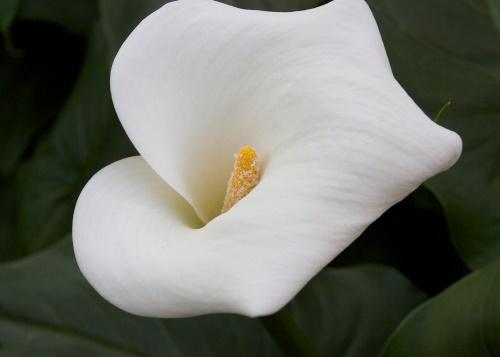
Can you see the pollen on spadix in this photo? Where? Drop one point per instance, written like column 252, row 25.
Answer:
column 244, row 177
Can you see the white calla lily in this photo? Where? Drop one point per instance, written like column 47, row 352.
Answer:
column 339, row 139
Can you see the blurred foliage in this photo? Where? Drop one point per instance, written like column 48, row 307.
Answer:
column 86, row 137
column 77, row 16
column 47, row 308
column 410, row 233
column 472, row 304
column 448, row 50
column 58, row 127
column 34, row 84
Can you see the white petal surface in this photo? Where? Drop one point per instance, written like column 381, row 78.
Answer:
column 312, row 91
column 137, row 242
column 197, row 80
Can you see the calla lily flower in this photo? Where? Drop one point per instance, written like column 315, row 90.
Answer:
column 311, row 93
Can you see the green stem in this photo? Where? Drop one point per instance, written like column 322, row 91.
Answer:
column 288, row 335
column 441, row 111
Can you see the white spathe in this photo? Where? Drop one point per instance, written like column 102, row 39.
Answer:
column 312, row 91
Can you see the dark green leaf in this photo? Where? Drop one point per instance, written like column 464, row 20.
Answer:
column 276, row 5
column 86, row 137
column 420, row 219
column 494, row 7
column 75, row 15
column 462, row 321
column 34, row 85
column 447, row 50
column 46, row 307
column 352, row 311
column 10, row 246
column 8, row 10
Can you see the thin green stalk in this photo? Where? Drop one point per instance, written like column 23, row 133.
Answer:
column 441, row 111
column 288, row 335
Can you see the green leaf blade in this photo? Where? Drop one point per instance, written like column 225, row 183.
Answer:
column 46, row 305
column 86, row 137
column 464, row 320
column 438, row 56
